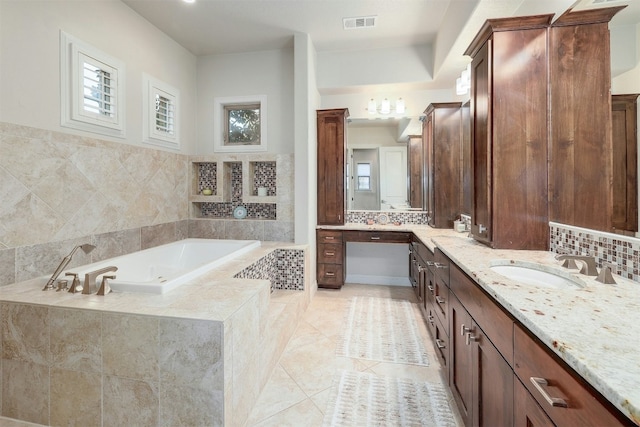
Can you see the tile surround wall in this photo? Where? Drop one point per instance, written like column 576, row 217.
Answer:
column 622, row 253
column 284, row 268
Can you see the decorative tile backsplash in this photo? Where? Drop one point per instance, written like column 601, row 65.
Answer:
column 621, row 252
column 284, row 268
column 208, row 177
column 225, row 210
column 264, row 175
column 405, row 217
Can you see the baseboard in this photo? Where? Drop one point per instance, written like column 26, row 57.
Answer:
column 377, row 280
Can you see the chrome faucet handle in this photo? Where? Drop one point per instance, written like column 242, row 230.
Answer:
column 62, row 285
column 605, row 275
column 75, row 283
column 104, row 286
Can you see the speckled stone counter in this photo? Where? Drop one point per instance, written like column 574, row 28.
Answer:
column 594, row 329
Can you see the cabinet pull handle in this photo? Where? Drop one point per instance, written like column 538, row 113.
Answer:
column 538, row 383
column 431, row 263
column 420, row 268
column 330, row 274
column 482, row 229
column 430, row 288
column 440, row 300
column 329, row 238
column 464, row 329
column 330, row 253
column 430, row 318
column 468, row 338
column 375, row 238
column 440, row 265
column 440, row 344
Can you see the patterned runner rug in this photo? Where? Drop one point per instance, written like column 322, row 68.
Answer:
column 362, row 399
column 382, row 329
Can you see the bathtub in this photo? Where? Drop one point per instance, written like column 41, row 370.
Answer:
column 163, row 268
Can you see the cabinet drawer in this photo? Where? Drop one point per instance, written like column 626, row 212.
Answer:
column 378, row 236
column 330, row 253
column 485, row 311
column 440, row 338
column 330, row 275
column 329, row 236
column 442, row 265
column 422, row 251
column 584, row 406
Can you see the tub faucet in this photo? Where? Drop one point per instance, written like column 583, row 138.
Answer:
column 90, row 278
column 588, row 263
column 63, row 264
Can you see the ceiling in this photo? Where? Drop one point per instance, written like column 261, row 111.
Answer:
column 209, row 27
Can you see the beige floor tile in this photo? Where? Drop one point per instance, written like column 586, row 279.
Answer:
column 280, row 393
column 304, row 414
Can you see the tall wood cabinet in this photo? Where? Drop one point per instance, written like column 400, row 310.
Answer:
column 580, row 169
column 624, row 117
column 332, row 146
column 508, row 111
column 442, row 135
column 415, row 162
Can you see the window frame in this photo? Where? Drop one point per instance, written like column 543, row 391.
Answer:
column 220, row 125
column 74, row 53
column 152, row 87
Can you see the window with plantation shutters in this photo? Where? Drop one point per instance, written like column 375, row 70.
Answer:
column 160, row 113
column 92, row 88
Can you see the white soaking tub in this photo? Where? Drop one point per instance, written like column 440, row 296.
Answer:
column 162, row 268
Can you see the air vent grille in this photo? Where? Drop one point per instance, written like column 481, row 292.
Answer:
column 359, row 22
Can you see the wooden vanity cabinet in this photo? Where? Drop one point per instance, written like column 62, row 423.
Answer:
column 509, row 83
column 332, row 147
column 582, row 406
column 527, row 412
column 624, row 116
column 442, row 136
column 331, row 253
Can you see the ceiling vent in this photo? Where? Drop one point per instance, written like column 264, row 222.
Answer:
column 359, row 22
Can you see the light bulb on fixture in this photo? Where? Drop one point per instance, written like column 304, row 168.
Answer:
column 385, row 106
column 400, row 106
column 372, row 107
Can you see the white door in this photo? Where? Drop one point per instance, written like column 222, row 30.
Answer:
column 393, row 176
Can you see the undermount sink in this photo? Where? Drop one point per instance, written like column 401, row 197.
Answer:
column 530, row 273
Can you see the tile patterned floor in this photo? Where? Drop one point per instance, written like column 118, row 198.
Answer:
column 297, row 392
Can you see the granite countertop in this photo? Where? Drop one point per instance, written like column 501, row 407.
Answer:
column 214, row 296
column 593, row 329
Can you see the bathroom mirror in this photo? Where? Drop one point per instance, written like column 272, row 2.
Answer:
column 377, row 163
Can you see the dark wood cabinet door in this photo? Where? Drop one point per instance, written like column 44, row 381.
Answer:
column 331, row 166
column 526, row 411
column 480, row 111
column 416, row 167
column 461, row 362
column 625, row 163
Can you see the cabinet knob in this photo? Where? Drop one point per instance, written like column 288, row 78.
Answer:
column 538, row 383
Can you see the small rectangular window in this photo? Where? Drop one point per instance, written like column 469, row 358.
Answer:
column 92, row 83
column 160, row 113
column 364, row 176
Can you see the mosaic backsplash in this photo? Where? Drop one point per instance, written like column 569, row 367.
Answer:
column 264, row 175
column 225, row 210
column 404, row 217
column 284, row 268
column 236, row 182
column 208, row 177
column 622, row 253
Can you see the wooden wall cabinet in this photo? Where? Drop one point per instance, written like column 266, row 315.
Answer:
column 415, row 160
column 624, row 117
column 509, row 82
column 332, row 147
column 442, row 136
column 580, row 168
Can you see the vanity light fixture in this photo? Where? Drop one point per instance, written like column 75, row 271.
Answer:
column 385, row 107
column 463, row 83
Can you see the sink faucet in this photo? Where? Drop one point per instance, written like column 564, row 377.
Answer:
column 65, row 261
column 588, row 263
column 90, row 278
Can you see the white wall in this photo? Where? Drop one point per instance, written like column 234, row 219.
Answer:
column 30, row 66
column 257, row 73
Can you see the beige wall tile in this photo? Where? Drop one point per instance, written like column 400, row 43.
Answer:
column 25, row 333
column 130, row 402
column 7, row 266
column 130, row 346
column 25, row 391
column 116, row 243
column 278, row 231
column 76, row 398
column 76, row 339
column 156, row 235
column 207, row 228
column 186, row 406
column 244, row 230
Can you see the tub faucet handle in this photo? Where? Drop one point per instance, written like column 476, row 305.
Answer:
column 90, row 278
column 605, row 275
column 104, row 286
column 75, row 283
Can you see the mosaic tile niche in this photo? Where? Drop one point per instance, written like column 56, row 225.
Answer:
column 620, row 252
column 284, row 268
column 405, row 217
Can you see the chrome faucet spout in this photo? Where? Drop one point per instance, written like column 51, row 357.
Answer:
column 65, row 261
column 90, row 278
